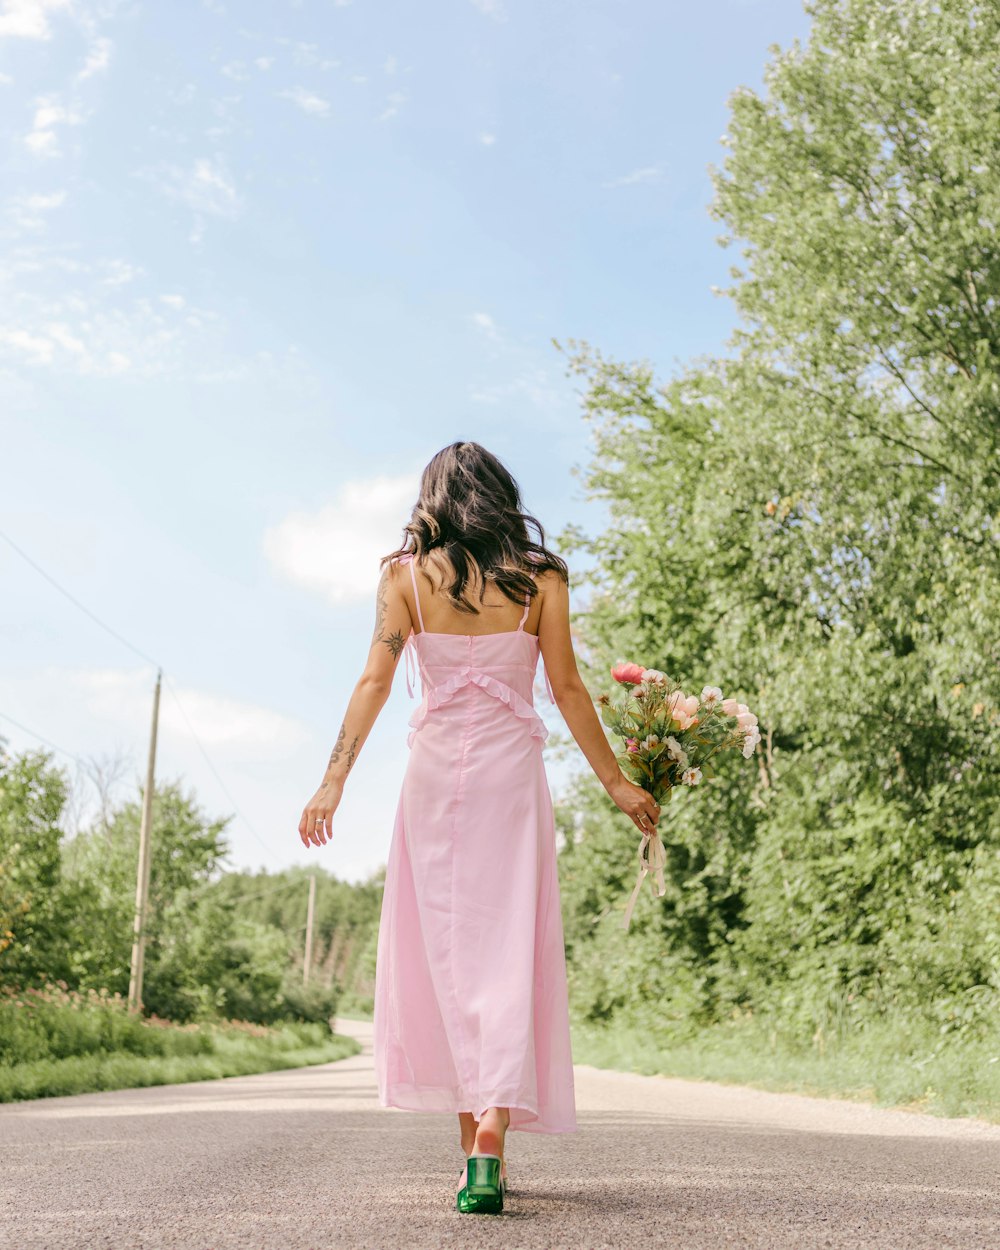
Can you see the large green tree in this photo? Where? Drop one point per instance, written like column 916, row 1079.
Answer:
column 812, row 522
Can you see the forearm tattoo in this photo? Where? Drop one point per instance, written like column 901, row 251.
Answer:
column 352, row 751
column 338, row 748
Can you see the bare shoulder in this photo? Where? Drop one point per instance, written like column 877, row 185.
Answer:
column 550, row 583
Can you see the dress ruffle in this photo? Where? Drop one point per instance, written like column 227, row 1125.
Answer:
column 439, row 695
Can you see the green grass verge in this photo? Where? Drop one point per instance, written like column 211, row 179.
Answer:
column 231, row 1053
column 901, row 1064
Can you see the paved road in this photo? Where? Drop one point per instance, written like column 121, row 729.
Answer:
column 307, row 1160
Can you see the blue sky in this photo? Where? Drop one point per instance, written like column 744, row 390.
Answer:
column 259, row 262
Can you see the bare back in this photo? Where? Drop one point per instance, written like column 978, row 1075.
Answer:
column 497, row 614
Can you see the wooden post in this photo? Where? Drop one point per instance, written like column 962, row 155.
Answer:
column 310, row 914
column 142, row 875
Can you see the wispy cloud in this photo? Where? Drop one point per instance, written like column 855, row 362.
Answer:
column 335, row 550
column 98, row 59
column 306, row 101
column 121, row 696
column 50, row 112
column 534, row 385
column 395, row 99
column 28, row 19
column 488, row 326
column 487, row 139
column 205, row 187
column 648, row 173
column 492, row 8
column 27, row 212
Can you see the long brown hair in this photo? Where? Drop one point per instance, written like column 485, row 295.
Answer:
column 469, row 507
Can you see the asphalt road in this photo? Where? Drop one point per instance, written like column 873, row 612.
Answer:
column 306, row 1160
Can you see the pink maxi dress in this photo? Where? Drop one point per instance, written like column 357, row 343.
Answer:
column 471, row 1005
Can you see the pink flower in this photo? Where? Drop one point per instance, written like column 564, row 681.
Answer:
column 631, row 744
column 730, row 707
column 627, row 673
column 682, row 708
column 746, row 720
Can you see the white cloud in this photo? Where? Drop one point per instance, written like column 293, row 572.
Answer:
column 28, row 19
column 5, row 80
column 173, row 301
column 236, row 70
column 389, row 65
column 488, row 326
column 27, row 212
column 121, row 696
column 44, row 202
column 492, row 8
column 532, row 385
column 98, row 59
column 49, row 113
column 648, row 173
column 206, row 186
column 395, row 99
column 32, row 348
column 335, row 550
column 306, row 101
column 487, row 139
column 264, row 62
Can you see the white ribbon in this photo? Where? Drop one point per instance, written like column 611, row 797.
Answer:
column 652, row 858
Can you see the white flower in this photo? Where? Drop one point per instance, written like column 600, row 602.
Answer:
column 650, row 743
column 675, row 750
column 710, row 696
column 691, row 776
column 750, row 743
column 653, row 677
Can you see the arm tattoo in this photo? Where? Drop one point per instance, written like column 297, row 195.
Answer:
column 395, row 642
column 381, row 607
column 338, row 747
column 352, row 751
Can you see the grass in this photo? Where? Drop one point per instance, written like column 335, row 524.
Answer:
column 894, row 1063
column 54, row 1041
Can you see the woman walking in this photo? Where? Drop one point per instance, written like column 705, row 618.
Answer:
column 471, row 1013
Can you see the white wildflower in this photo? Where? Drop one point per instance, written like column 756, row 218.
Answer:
column 674, row 749
column 653, row 677
column 710, row 696
column 650, row 743
column 691, row 776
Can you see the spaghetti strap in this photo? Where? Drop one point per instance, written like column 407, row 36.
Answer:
column 416, row 593
column 524, row 614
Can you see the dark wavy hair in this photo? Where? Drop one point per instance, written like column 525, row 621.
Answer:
column 470, row 508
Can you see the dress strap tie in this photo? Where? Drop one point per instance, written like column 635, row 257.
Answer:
column 409, row 664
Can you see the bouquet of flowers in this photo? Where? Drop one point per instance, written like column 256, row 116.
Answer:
column 670, row 740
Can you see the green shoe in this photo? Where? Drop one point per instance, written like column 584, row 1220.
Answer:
column 483, row 1190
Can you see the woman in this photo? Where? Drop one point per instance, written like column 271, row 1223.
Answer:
column 471, row 1011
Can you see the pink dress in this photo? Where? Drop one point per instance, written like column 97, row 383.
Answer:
column 471, row 1004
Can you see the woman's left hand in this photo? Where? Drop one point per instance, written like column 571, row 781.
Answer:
column 317, row 818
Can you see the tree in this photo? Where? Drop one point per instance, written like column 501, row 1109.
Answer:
column 811, row 522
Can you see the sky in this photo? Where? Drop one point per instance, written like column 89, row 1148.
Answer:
column 259, row 261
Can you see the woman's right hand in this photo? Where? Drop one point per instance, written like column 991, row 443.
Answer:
column 635, row 802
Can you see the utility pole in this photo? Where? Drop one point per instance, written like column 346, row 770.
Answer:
column 310, row 914
column 142, row 875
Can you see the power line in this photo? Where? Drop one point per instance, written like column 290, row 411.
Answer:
column 31, row 732
column 225, row 789
column 76, row 602
column 142, row 655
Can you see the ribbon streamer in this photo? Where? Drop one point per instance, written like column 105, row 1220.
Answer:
column 652, row 859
